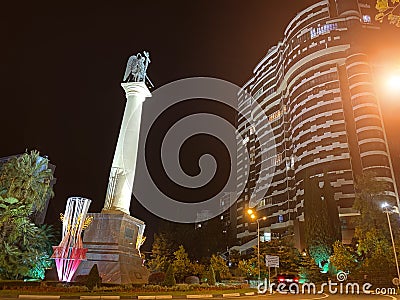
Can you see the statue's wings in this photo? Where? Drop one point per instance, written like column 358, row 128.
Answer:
column 131, row 62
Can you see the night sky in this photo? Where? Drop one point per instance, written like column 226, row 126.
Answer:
column 62, row 67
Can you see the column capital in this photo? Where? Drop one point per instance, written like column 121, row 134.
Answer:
column 135, row 88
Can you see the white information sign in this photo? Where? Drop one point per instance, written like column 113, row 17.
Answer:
column 272, row 261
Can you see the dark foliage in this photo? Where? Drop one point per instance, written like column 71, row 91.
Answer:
column 169, row 276
column 157, row 278
column 93, row 279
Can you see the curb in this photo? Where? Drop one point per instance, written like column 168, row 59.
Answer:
column 140, row 297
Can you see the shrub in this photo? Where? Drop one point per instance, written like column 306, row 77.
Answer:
column 211, row 276
column 154, row 288
column 195, row 287
column 192, row 280
column 77, row 289
column 181, row 287
column 81, row 278
column 93, row 279
column 157, row 278
column 217, row 276
column 169, row 276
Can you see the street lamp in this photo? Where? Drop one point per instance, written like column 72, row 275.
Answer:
column 389, row 210
column 253, row 216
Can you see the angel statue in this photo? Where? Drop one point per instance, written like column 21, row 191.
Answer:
column 136, row 68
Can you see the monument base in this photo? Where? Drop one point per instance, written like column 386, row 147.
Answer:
column 111, row 241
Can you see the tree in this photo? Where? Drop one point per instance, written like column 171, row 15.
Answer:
column 27, row 178
column 220, row 267
column 322, row 224
column 380, row 265
column 198, row 269
column 248, row 268
column 181, row 264
column 372, row 234
column 24, row 247
column 309, row 270
column 335, row 226
column 289, row 256
column 234, row 257
column 371, row 225
column 390, row 11
column 161, row 253
column 344, row 257
column 162, row 245
column 169, row 276
column 211, row 276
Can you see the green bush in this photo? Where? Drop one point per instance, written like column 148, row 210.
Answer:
column 170, row 277
column 93, row 279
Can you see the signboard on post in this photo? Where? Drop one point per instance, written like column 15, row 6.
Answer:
column 272, row 261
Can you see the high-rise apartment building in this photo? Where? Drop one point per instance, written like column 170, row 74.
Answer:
column 313, row 99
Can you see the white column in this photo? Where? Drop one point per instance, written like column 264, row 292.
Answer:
column 122, row 173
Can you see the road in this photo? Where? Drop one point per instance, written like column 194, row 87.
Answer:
column 320, row 297
column 284, row 297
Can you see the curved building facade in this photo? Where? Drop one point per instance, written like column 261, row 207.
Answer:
column 314, row 94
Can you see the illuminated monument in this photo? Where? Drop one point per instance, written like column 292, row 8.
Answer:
column 114, row 238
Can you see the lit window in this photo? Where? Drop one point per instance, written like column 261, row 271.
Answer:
column 275, row 115
column 280, row 219
column 277, row 160
column 314, row 32
column 366, row 18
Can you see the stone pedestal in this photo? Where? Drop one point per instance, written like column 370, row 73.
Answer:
column 111, row 241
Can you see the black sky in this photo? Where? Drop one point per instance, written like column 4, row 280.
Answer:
column 62, row 67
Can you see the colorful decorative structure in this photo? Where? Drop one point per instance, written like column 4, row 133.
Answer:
column 70, row 252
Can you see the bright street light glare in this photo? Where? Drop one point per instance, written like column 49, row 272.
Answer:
column 393, row 83
column 250, row 211
column 384, row 205
column 253, row 216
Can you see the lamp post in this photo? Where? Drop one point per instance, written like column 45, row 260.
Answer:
column 389, row 210
column 254, row 218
